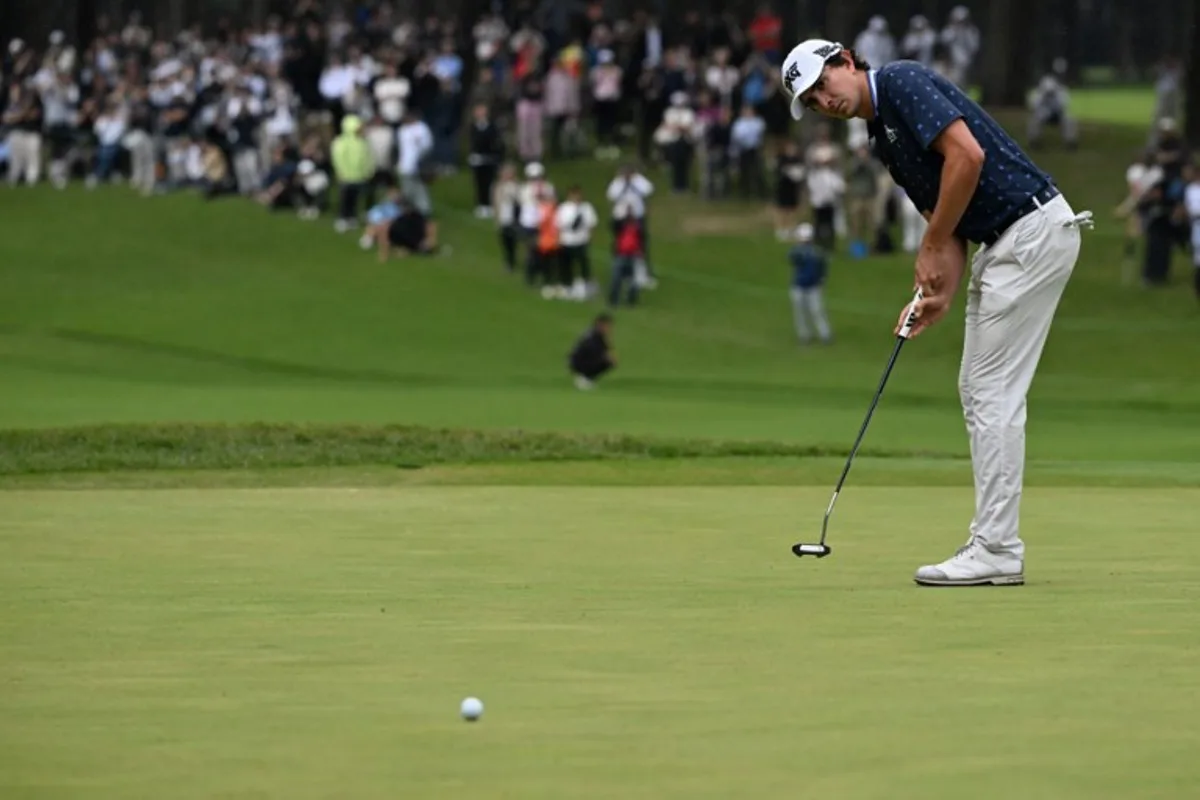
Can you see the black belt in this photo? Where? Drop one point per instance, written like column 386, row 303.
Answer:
column 1041, row 197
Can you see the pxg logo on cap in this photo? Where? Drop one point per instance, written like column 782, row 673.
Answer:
column 793, row 74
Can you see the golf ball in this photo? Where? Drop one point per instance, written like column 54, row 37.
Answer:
column 472, row 709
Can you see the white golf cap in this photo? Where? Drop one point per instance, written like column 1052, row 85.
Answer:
column 803, row 67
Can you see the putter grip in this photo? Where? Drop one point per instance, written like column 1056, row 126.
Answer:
column 907, row 327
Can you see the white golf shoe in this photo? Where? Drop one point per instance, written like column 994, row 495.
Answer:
column 974, row 565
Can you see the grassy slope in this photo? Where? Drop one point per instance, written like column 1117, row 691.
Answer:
column 170, row 309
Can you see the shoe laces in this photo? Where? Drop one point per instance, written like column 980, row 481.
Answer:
column 970, row 548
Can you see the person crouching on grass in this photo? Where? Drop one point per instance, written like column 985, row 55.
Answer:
column 410, row 232
column 592, row 355
column 379, row 216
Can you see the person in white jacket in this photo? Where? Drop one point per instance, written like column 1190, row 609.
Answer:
column 629, row 192
column 876, row 44
column 575, row 220
column 676, row 135
column 1191, row 206
column 826, row 188
column 414, row 143
column 529, row 213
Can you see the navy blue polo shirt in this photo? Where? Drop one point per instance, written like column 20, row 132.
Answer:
column 808, row 266
column 913, row 104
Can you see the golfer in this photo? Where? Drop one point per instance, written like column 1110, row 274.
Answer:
column 972, row 183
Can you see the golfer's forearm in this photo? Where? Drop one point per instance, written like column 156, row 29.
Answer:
column 960, row 177
column 954, row 279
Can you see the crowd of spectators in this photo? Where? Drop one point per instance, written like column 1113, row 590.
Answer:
column 356, row 115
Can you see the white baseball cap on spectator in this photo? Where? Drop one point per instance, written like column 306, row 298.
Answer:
column 802, row 68
column 804, row 232
column 604, row 56
column 534, row 169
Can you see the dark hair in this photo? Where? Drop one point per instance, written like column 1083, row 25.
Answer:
column 602, row 318
column 847, row 54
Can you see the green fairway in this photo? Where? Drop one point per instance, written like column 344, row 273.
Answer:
column 172, row 309
column 1125, row 105
column 626, row 642
column 270, row 509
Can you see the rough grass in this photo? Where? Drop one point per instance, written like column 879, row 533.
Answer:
column 108, row 448
column 176, row 311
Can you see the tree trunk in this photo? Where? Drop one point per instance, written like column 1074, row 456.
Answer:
column 1191, row 83
column 1006, row 74
column 1072, row 48
column 1126, row 63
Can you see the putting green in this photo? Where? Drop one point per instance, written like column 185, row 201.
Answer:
column 627, row 642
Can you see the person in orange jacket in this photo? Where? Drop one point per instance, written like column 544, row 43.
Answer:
column 546, row 248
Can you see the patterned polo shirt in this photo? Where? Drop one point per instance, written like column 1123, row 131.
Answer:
column 913, row 104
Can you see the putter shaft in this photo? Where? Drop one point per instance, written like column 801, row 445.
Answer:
column 901, row 337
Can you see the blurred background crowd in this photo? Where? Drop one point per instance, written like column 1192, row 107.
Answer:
column 354, row 114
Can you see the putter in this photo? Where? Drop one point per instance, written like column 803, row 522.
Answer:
column 820, row 549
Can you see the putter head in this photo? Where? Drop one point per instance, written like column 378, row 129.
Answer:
column 818, row 550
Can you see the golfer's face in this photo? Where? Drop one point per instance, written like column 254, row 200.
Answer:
column 835, row 94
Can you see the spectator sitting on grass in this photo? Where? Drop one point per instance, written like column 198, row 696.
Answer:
column 410, row 232
column 217, row 180
column 278, row 185
column 380, row 216
column 312, row 190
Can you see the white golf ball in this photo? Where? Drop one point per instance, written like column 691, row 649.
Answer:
column 472, row 709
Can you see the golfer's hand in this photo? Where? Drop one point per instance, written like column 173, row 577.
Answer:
column 939, row 270
column 929, row 310
column 939, row 264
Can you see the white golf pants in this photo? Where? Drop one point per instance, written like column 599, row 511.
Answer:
column 24, row 157
column 1014, row 289
column 808, row 306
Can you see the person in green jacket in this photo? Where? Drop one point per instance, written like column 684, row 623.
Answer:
column 353, row 166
